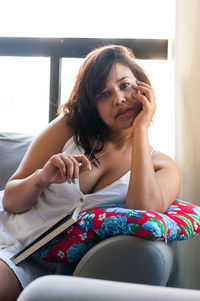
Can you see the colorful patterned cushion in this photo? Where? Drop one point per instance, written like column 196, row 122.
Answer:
column 181, row 221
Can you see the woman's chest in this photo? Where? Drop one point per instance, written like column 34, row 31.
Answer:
column 112, row 167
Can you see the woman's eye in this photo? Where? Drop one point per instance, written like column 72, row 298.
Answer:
column 104, row 95
column 124, row 85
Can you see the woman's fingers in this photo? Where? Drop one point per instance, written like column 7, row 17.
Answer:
column 57, row 162
column 64, row 167
column 76, row 165
column 145, row 94
column 146, row 90
column 147, row 104
column 73, row 166
column 83, row 161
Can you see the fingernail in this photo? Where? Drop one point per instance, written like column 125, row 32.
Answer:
column 89, row 166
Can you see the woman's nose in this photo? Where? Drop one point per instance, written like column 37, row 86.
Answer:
column 119, row 99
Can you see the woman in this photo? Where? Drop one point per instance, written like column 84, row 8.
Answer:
column 97, row 150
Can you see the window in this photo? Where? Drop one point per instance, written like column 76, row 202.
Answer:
column 25, row 81
column 24, row 94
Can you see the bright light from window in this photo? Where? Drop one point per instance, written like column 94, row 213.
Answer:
column 162, row 128
column 24, row 93
column 88, row 18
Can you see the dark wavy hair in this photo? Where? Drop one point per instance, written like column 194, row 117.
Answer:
column 81, row 109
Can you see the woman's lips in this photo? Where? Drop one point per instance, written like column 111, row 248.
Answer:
column 123, row 114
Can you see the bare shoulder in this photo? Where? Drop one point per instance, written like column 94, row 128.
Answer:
column 49, row 142
column 161, row 160
column 56, row 134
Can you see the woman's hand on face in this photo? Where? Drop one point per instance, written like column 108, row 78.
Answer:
column 63, row 167
column 144, row 93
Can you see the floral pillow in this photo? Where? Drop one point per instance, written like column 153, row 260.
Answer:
column 181, row 221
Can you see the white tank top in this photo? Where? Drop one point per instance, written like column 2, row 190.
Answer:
column 54, row 203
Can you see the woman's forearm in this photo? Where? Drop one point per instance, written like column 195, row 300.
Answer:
column 21, row 194
column 144, row 192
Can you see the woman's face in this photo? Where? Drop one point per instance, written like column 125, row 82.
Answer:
column 116, row 104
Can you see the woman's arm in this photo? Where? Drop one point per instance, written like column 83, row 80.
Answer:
column 42, row 165
column 155, row 179
column 22, row 189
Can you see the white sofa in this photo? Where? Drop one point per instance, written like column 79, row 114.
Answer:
column 87, row 289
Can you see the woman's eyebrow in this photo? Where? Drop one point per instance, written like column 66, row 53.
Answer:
column 120, row 79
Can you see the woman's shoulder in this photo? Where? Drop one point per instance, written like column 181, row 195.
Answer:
column 48, row 143
column 54, row 136
column 162, row 160
column 59, row 130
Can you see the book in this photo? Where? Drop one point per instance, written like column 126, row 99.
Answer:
column 45, row 237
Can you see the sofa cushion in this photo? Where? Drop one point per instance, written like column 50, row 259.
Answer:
column 12, row 149
column 181, row 221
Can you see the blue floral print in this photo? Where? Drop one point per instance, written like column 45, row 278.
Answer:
column 87, row 222
column 180, row 222
column 76, row 252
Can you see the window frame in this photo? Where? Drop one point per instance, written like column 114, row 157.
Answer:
column 58, row 48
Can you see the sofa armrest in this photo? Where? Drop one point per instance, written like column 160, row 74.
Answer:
column 63, row 288
column 12, row 149
column 129, row 259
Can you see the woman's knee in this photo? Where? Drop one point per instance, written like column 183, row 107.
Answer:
column 10, row 286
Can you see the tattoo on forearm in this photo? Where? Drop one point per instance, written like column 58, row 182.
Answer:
column 37, row 185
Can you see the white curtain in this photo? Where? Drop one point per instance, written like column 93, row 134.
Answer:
column 187, row 112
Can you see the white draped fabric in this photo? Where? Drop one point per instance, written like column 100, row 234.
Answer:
column 187, row 112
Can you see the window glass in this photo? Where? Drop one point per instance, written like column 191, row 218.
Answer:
column 24, row 94
column 161, row 74
column 70, row 67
